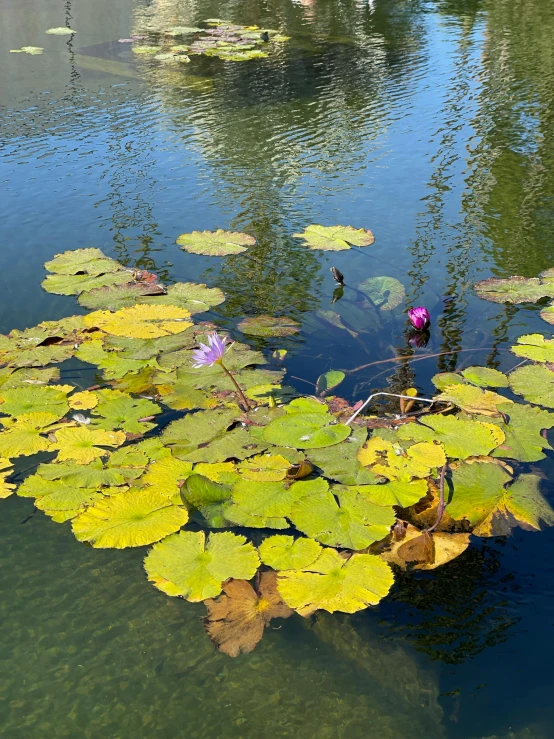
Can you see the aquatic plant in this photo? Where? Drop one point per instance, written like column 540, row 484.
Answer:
column 419, row 318
column 327, row 509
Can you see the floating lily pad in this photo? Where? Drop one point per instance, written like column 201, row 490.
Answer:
column 328, row 381
column 117, row 410
column 445, row 547
column 442, row 380
column 61, row 31
column 6, row 469
column 236, row 619
column 484, row 377
column 167, row 475
column 306, row 431
column 195, row 429
column 25, row 377
column 472, row 399
column 48, row 399
column 395, row 493
column 535, row 383
column 23, row 436
column 340, row 462
column 536, row 347
column 146, row 49
column 130, row 519
column 83, row 444
column 265, row 468
column 547, row 313
column 266, row 504
column 514, row 289
column 113, row 364
column 268, row 326
column 353, row 522
column 113, row 297
column 215, row 243
column 33, row 50
column 335, row 238
column 392, row 462
column 181, row 30
column 283, row 552
column 63, row 284
column 386, row 293
column 189, row 566
column 141, row 321
column 334, row 584
column 211, row 498
column 524, row 440
column 83, row 261
column 460, row 438
column 481, row 496
column 55, row 498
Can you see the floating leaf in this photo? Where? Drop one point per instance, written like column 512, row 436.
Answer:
column 514, row 289
column 480, row 496
column 265, row 504
column 22, row 436
column 117, row 410
column 146, row 49
column 236, row 620
column 57, row 497
column 547, row 314
column 209, row 497
column 484, row 377
column 188, row 566
column 33, row 50
column 225, row 472
column 141, row 321
column 181, row 30
column 268, row 326
column 283, row 552
column 10, row 378
column 83, row 401
column 328, row 381
column 144, row 349
column 396, row 464
column 445, row 379
column 340, row 462
column 461, row 438
column 83, row 444
column 446, row 547
column 536, row 347
column 535, row 383
column 306, row 405
column 61, row 31
column 167, row 475
column 265, row 468
column 524, row 440
column 113, row 365
column 92, row 475
column 215, row 243
column 384, row 292
column 306, row 431
column 472, row 399
column 334, row 584
column 353, row 522
column 75, row 284
column 335, row 238
column 113, row 297
column 6, row 470
column 83, row 261
column 19, row 401
column 195, row 429
column 395, row 493
column 236, row 444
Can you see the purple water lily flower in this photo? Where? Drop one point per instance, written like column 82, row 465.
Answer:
column 419, row 318
column 208, row 355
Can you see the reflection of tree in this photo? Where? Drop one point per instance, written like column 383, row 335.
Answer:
column 454, row 612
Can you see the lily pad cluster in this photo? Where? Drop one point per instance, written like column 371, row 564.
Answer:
column 262, row 513
column 220, row 38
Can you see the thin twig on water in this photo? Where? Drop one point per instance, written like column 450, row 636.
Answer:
column 413, row 359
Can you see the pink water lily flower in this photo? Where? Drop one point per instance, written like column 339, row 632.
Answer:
column 208, row 355
column 419, row 318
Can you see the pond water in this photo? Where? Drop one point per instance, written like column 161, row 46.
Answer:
column 429, row 123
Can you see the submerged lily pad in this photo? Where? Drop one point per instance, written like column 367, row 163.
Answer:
column 535, row 383
column 215, row 243
column 236, row 620
column 335, row 238
column 129, row 519
column 268, row 326
column 386, row 293
column 187, row 565
column 328, row 381
column 334, row 584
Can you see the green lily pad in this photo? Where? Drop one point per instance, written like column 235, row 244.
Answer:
column 56, row 497
column 113, row 364
column 484, row 377
column 266, row 504
column 236, row 444
column 140, row 349
column 282, row 552
column 514, row 289
column 268, row 326
column 83, row 261
column 75, row 284
column 472, row 399
column 186, row 434
column 351, row 523
column 130, row 519
column 334, row 584
column 481, row 496
column 328, row 381
column 61, row 31
column 535, row 383
column 524, row 440
column 340, row 462
column 395, row 493
column 117, row 410
column 82, row 444
column 306, row 431
column 335, row 238
column 145, row 49
column 306, row 405
column 386, row 293
column 45, row 399
column 460, row 438
column 26, row 377
column 442, row 380
column 211, row 499
column 534, row 346
column 547, row 314
column 181, row 30
column 114, row 297
column 215, row 243
column 33, row 50
column 22, row 436
column 189, row 566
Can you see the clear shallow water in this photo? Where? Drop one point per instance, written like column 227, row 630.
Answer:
column 429, row 123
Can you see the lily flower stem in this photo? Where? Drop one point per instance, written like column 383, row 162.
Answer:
column 245, row 403
column 441, row 506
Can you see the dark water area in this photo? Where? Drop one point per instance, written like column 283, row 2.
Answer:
column 431, row 123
